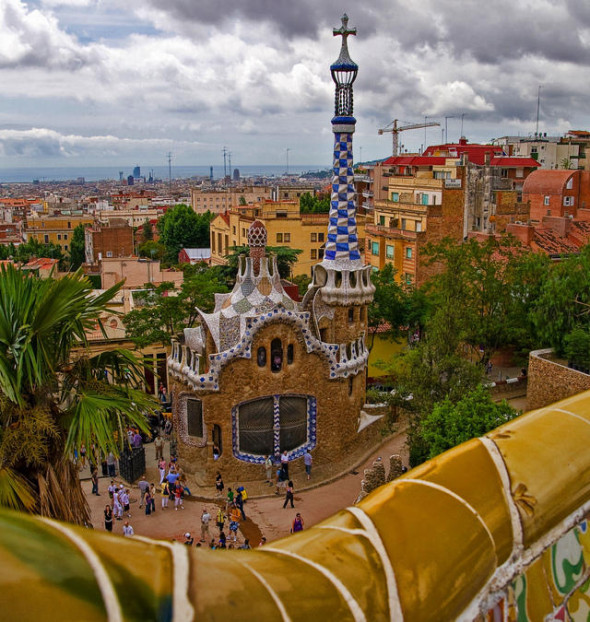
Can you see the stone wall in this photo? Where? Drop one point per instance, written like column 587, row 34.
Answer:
column 549, row 381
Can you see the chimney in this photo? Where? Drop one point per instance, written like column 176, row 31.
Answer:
column 487, row 158
column 524, row 233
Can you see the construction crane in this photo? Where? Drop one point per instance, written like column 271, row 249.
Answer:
column 395, row 129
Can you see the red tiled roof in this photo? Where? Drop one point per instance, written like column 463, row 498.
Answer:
column 414, row 161
column 512, row 161
column 552, row 244
column 546, row 182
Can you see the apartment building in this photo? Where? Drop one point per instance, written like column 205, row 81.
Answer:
column 285, row 226
column 448, row 191
column 55, row 229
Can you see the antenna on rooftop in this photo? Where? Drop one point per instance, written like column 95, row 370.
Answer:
column 224, row 162
column 538, row 108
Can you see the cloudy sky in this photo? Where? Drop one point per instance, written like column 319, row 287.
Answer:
column 119, row 82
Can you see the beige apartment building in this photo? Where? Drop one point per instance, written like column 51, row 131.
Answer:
column 285, row 226
column 219, row 201
column 55, row 229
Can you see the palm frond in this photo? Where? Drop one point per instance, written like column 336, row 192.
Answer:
column 15, row 492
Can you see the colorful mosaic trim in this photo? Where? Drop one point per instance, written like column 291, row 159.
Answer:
column 182, row 423
column 312, row 411
column 555, row 586
column 342, row 364
column 342, row 243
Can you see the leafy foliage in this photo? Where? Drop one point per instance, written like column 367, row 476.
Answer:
column 450, row 424
column 316, row 204
column 163, row 313
column 181, row 227
column 49, row 400
column 77, row 248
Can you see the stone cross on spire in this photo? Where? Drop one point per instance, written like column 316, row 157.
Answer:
column 343, row 32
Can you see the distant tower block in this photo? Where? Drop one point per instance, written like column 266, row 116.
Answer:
column 211, row 174
column 137, row 172
column 121, row 175
column 236, row 174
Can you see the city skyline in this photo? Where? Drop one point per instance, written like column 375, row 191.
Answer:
column 88, row 83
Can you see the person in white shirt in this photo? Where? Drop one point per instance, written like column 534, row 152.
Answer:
column 128, row 530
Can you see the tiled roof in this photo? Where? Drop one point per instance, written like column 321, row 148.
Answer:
column 546, row 182
column 552, row 244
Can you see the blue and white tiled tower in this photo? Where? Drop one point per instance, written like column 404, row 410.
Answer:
column 343, row 277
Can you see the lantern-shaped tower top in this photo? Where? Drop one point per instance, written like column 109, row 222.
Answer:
column 344, row 72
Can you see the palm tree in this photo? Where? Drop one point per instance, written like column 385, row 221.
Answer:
column 52, row 401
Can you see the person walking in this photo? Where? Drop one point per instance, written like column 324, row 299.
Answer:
column 285, row 464
column 111, row 464
column 297, row 523
column 219, row 486
column 234, row 521
column 124, row 497
column 108, row 518
column 153, row 497
column 307, row 460
column 268, row 468
column 128, row 530
column 159, row 445
column 205, row 518
column 144, row 486
column 162, row 469
column 220, row 519
column 148, row 503
column 178, row 497
column 240, row 504
column 94, row 478
column 165, row 494
column 83, row 456
column 289, row 495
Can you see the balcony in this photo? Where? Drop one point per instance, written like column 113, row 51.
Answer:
column 367, row 194
column 390, row 232
column 402, row 206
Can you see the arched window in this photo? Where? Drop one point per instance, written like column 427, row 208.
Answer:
column 261, row 356
column 276, row 355
column 351, row 315
column 290, row 353
column 350, row 385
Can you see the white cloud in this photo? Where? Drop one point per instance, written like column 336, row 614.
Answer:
column 188, row 74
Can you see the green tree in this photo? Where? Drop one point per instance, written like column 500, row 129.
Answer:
column 52, row 400
column 77, row 248
column 151, row 250
column 563, row 302
column 450, row 424
column 314, row 204
column 181, row 227
column 302, row 281
column 401, row 309
column 147, row 232
column 163, row 313
column 33, row 248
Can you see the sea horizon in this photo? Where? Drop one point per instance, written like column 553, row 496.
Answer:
column 111, row 173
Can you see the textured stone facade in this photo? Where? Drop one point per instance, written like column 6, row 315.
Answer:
column 338, row 402
column 549, row 381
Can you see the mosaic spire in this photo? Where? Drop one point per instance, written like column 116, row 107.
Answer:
column 342, row 243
